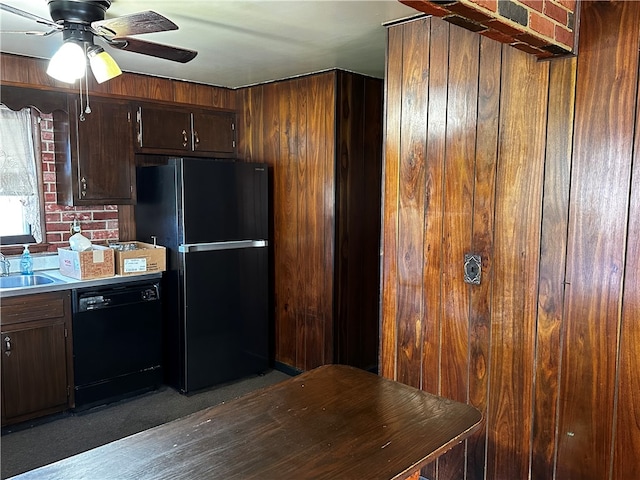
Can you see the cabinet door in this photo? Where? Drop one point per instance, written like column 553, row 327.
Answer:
column 214, row 132
column 162, row 128
column 104, row 165
column 34, row 370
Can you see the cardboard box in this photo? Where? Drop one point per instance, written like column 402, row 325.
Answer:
column 95, row 263
column 145, row 258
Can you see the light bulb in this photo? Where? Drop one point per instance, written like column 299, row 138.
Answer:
column 103, row 66
column 68, row 64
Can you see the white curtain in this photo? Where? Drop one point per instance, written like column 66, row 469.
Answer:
column 18, row 177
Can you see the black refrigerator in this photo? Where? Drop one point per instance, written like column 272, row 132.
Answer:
column 212, row 216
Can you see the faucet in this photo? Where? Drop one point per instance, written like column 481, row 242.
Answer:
column 5, row 266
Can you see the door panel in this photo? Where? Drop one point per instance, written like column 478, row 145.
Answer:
column 35, row 370
column 226, row 317
column 224, row 201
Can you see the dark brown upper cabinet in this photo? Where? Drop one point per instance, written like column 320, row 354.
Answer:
column 180, row 131
column 95, row 158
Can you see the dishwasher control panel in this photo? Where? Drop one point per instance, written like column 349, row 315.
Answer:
column 95, row 299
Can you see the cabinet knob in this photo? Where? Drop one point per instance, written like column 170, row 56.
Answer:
column 7, row 345
column 185, row 139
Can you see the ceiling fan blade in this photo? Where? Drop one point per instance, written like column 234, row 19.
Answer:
column 33, row 32
column 30, row 16
column 167, row 52
column 134, row 24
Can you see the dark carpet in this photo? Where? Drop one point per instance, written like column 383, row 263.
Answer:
column 29, row 446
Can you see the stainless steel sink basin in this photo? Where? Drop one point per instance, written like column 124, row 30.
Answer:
column 14, row 281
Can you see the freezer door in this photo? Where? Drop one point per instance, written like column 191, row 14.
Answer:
column 226, row 316
column 223, row 201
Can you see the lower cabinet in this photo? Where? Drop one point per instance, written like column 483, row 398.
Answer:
column 37, row 373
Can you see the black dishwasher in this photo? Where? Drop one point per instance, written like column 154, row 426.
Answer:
column 117, row 342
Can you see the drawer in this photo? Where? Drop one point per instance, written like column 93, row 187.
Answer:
column 39, row 306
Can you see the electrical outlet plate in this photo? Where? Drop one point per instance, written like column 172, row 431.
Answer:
column 472, row 268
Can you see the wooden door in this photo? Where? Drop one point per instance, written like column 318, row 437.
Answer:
column 103, row 157
column 214, row 132
column 34, row 375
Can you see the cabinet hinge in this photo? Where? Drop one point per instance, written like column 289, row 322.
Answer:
column 66, row 333
column 233, row 143
column 233, row 126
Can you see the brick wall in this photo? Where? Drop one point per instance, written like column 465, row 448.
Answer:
column 544, row 28
column 98, row 223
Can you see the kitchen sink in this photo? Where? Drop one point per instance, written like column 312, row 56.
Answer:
column 15, row 281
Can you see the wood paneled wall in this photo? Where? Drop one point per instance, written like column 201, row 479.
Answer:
column 321, row 134
column 534, row 166
column 291, row 126
column 31, row 72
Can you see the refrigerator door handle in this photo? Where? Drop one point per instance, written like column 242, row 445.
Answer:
column 207, row 247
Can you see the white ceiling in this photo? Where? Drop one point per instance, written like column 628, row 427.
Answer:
column 239, row 42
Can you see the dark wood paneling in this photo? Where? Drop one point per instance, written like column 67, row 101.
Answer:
column 520, row 173
column 389, row 235
column 293, row 125
column 627, row 432
column 434, row 208
column 551, row 357
column 600, row 180
column 368, row 279
column 411, row 176
column 287, row 148
column 482, row 244
column 459, row 179
column 553, row 247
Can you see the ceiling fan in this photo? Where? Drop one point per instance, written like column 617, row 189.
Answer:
column 81, row 20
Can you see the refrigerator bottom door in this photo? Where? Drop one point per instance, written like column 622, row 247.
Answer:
column 226, row 335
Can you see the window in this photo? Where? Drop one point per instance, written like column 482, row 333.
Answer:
column 21, row 199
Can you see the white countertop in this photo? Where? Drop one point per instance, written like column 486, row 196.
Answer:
column 67, row 283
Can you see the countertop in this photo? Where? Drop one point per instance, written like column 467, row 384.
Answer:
column 67, row 283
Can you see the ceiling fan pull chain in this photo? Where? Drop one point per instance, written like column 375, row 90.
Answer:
column 86, row 83
column 81, row 109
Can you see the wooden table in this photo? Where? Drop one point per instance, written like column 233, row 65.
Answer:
column 333, row 422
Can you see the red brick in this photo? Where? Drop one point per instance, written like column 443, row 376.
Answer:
column 47, row 136
column 426, row 7
column 491, row 5
column 535, row 4
column 564, row 36
column 541, row 25
column 470, row 12
column 557, row 13
column 57, row 227
column 49, row 198
column 495, row 35
column 52, row 217
column 49, row 177
column 526, row 48
column 101, row 225
column 568, row 4
column 54, row 237
column 501, row 26
column 70, row 216
column 110, row 215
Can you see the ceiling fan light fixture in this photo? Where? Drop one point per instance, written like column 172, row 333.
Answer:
column 103, row 66
column 68, row 64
